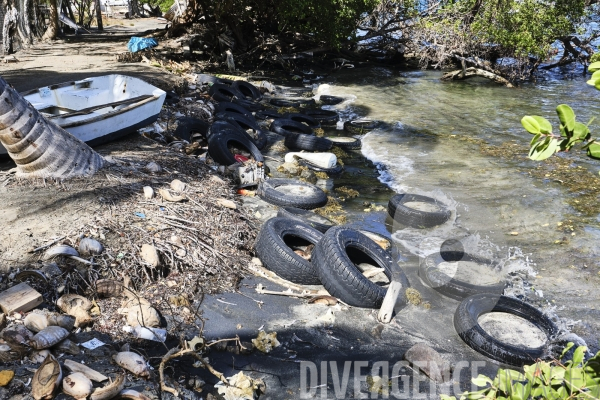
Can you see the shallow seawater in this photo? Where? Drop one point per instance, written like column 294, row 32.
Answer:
column 498, row 209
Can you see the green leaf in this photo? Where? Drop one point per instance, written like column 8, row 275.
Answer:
column 504, row 381
column 545, row 125
column 580, row 131
column 563, row 132
column 543, row 150
column 557, row 375
column 574, row 379
column 588, row 144
column 481, row 380
column 446, row 397
column 566, row 116
column 593, row 67
column 595, row 75
column 535, row 139
column 578, row 355
column 520, row 391
column 594, row 150
column 568, row 347
column 531, row 125
column 480, row 394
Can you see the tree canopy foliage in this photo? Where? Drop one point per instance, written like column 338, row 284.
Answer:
column 523, row 31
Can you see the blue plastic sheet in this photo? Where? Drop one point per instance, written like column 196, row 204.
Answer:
column 137, row 43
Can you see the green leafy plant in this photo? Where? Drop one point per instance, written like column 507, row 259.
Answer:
column 574, row 379
column 545, row 143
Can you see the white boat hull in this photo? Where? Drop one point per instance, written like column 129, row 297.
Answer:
column 79, row 107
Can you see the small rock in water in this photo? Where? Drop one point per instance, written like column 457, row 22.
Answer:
column 290, row 168
column 309, row 176
column 429, row 361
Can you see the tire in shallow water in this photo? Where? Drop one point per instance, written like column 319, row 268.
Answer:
column 467, row 326
column 311, row 218
column 227, row 106
column 291, row 102
column 273, row 249
column 307, row 142
column 360, row 126
column 336, row 258
column 248, row 89
column 286, row 127
column 330, row 100
column 338, row 169
column 345, row 143
column 417, row 218
column 448, row 286
column 291, row 193
column 187, row 127
column 325, row 117
column 220, row 141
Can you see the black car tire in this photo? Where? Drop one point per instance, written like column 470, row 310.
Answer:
column 467, row 326
column 303, row 118
column 219, row 141
column 307, row 142
column 305, row 195
column 222, row 92
column 417, row 218
column 360, row 126
column 345, row 143
column 268, row 114
column 336, row 258
column 249, row 104
column 450, row 287
column 273, row 249
column 248, row 89
column 325, row 117
column 286, row 127
column 188, row 126
column 227, row 106
column 291, row 102
column 244, row 123
column 311, row 218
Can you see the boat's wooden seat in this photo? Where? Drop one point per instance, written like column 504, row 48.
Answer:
column 84, row 98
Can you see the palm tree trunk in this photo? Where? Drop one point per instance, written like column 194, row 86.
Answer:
column 40, row 148
column 52, row 31
column 99, row 16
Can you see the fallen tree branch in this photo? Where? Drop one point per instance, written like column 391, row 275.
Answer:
column 177, row 352
column 472, row 72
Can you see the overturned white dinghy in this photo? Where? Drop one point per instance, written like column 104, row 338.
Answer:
column 98, row 110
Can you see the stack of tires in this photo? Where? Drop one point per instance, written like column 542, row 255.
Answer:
column 305, row 248
column 314, row 252
column 235, row 134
